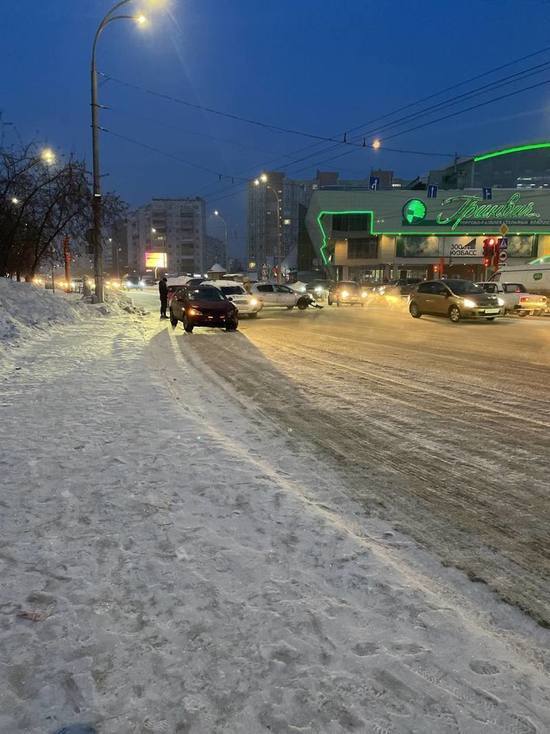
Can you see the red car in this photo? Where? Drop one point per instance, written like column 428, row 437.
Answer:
column 203, row 306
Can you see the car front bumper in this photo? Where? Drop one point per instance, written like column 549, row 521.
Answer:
column 481, row 312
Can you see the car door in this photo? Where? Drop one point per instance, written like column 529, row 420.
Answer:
column 422, row 297
column 285, row 295
column 177, row 303
column 267, row 294
column 439, row 298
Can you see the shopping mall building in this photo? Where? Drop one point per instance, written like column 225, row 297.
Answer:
column 375, row 235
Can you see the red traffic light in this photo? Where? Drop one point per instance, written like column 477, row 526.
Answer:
column 486, row 262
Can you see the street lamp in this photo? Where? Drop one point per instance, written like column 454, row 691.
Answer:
column 48, row 156
column 376, row 144
column 14, row 200
column 217, row 214
column 263, row 178
column 140, row 19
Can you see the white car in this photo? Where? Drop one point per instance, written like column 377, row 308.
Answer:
column 515, row 298
column 247, row 304
column 273, row 294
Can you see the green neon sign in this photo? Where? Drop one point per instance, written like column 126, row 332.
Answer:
column 508, row 151
column 472, row 208
column 398, row 233
column 414, row 211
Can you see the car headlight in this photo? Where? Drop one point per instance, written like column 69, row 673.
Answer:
column 501, row 301
column 142, row 283
column 127, row 284
column 253, row 301
column 364, row 294
column 193, row 312
column 318, row 289
column 469, row 303
column 345, row 294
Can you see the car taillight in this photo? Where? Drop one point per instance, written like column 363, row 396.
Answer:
column 523, row 299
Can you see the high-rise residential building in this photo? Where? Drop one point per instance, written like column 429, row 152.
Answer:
column 276, row 206
column 176, row 227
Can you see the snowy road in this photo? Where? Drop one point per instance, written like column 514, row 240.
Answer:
column 194, row 569
column 442, row 429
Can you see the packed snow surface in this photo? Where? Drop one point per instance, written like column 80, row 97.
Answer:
column 172, row 562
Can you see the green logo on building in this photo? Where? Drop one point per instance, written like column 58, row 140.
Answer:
column 414, row 211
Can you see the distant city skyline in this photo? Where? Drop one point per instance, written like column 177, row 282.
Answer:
column 269, row 63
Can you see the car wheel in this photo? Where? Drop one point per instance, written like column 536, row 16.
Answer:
column 414, row 311
column 173, row 319
column 523, row 314
column 232, row 325
column 490, row 318
column 302, row 304
column 454, row 314
column 253, row 315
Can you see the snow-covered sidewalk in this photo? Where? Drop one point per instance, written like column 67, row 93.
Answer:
column 194, row 570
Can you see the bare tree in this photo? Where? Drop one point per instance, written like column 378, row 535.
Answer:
column 39, row 204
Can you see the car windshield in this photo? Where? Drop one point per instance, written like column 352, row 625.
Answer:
column 348, row 286
column 232, row 290
column 133, row 279
column 463, row 286
column 205, row 294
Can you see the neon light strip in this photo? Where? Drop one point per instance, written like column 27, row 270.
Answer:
column 442, row 233
column 507, row 151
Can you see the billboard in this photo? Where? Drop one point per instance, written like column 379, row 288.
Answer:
column 156, row 260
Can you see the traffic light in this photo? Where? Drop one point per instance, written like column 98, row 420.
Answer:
column 486, row 262
column 436, row 269
column 489, row 247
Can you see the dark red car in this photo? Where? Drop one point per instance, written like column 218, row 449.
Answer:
column 203, row 306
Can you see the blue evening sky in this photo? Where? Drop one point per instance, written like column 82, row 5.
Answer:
column 321, row 66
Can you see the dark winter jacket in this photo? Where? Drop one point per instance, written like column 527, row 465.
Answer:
column 163, row 289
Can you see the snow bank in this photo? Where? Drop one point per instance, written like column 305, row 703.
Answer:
column 26, row 310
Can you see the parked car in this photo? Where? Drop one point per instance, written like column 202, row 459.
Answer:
column 456, row 299
column 515, row 298
column 347, row 292
column 234, row 291
column 133, row 282
column 274, row 294
column 176, row 284
column 203, row 305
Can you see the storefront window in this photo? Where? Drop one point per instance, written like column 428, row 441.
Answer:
column 417, row 246
column 351, row 222
column 362, row 248
column 522, row 245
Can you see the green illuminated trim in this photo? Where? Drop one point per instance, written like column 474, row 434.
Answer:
column 439, row 233
column 507, row 151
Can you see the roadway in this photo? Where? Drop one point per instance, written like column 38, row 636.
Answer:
column 442, row 428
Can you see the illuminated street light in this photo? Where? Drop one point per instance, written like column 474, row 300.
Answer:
column 263, row 178
column 14, row 200
column 376, row 144
column 141, row 20
column 153, row 230
column 48, row 156
column 256, row 182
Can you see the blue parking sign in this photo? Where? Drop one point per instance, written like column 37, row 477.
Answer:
column 487, row 193
column 374, row 183
column 432, row 191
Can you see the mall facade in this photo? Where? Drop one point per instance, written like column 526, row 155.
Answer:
column 369, row 235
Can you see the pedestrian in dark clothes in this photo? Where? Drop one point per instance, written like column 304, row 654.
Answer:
column 163, row 292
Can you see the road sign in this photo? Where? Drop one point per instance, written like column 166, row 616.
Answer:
column 487, row 192
column 502, row 256
column 374, row 183
column 432, row 191
column 504, row 243
column 504, row 229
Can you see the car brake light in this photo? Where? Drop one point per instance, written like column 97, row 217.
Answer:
column 523, row 299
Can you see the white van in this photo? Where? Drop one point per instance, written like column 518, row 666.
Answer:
column 535, row 276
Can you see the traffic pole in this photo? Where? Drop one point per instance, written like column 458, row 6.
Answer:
column 67, row 258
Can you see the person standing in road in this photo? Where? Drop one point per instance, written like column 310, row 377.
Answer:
column 163, row 292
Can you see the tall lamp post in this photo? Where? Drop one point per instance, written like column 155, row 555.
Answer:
column 263, row 179
column 216, row 214
column 96, row 196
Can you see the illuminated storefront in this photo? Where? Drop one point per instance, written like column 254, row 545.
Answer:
column 373, row 235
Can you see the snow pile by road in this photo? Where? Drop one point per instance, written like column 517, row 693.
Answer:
column 26, row 310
